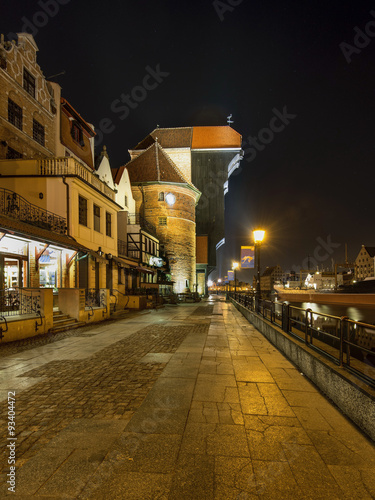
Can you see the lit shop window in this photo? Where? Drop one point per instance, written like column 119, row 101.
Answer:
column 50, row 268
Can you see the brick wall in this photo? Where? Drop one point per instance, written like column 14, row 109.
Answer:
column 178, row 235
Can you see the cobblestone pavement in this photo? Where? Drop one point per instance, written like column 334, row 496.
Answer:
column 186, row 402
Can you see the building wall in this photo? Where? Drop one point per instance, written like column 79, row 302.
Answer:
column 364, row 265
column 42, row 107
column 182, row 158
column 86, row 235
column 209, row 172
column 178, row 234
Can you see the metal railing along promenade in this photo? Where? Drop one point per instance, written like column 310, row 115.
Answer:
column 348, row 343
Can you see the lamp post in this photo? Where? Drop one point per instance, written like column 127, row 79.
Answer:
column 219, row 285
column 234, row 267
column 258, row 238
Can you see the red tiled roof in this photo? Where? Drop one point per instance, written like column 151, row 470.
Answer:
column 193, row 137
column 168, row 138
column 215, row 137
column 152, row 165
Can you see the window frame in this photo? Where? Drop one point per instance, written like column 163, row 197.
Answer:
column 162, row 221
column 3, row 62
column 82, row 211
column 108, row 224
column 15, row 114
column 96, row 218
column 77, row 133
column 29, row 82
column 39, row 134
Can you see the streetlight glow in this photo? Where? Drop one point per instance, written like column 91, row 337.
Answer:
column 259, row 235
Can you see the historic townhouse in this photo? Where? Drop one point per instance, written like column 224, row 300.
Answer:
column 365, row 263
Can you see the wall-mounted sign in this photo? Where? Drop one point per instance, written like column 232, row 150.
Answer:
column 156, row 261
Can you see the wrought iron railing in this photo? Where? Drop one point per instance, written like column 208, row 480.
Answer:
column 142, row 222
column 19, row 301
column 348, row 343
column 95, row 298
column 13, row 205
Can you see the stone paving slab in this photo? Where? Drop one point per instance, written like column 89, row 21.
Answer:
column 187, row 402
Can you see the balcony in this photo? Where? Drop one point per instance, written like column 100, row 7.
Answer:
column 70, row 166
column 56, row 167
column 137, row 219
column 14, row 206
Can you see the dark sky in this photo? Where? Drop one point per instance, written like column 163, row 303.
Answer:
column 313, row 181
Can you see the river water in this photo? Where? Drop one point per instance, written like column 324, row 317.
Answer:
column 366, row 314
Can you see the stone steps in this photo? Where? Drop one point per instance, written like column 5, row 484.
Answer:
column 63, row 322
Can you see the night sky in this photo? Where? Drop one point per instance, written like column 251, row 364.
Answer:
column 309, row 183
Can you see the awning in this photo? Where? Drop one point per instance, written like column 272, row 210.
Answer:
column 126, row 263
column 145, row 270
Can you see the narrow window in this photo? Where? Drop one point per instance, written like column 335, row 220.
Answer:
column 14, row 114
column 29, row 82
column 97, row 218
column 38, row 132
column 82, row 211
column 77, row 133
column 3, row 62
column 126, row 201
column 108, row 224
column 161, row 196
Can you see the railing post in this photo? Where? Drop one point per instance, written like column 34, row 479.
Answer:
column 285, row 317
column 307, row 325
column 342, row 326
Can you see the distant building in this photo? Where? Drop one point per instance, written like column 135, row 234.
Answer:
column 365, row 263
column 270, row 276
column 323, row 280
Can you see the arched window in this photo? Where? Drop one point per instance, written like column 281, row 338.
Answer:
column 161, row 196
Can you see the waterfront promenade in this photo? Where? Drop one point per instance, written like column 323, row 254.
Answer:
column 185, row 402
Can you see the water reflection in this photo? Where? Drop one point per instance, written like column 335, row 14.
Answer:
column 366, row 314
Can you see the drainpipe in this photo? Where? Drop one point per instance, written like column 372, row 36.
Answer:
column 67, row 204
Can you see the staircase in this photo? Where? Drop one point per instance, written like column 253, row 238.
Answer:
column 63, row 322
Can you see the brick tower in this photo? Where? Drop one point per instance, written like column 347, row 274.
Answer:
column 167, row 199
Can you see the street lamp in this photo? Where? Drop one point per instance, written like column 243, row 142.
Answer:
column 258, row 238
column 234, row 267
column 219, row 285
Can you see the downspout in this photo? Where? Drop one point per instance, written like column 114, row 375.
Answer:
column 67, row 204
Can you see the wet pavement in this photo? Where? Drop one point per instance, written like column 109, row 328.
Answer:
column 185, row 402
